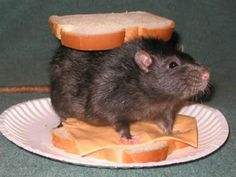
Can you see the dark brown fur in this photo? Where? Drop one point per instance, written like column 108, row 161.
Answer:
column 145, row 79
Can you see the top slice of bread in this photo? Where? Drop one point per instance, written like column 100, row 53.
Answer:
column 114, row 28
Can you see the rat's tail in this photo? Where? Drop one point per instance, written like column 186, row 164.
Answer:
column 25, row 89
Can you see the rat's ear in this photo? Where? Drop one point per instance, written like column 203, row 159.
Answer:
column 143, row 60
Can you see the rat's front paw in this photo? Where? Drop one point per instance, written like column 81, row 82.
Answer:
column 132, row 140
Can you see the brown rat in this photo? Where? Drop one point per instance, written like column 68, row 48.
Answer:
column 145, row 79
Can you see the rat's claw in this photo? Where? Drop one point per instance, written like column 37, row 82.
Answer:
column 133, row 140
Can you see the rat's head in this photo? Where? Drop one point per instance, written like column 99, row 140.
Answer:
column 171, row 72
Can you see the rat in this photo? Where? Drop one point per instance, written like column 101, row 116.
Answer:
column 145, row 79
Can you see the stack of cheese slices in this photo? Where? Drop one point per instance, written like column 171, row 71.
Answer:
column 103, row 142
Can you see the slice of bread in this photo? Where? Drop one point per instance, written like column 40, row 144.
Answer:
column 101, row 142
column 108, row 30
column 152, row 152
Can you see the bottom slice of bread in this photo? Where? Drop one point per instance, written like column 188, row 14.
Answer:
column 152, row 152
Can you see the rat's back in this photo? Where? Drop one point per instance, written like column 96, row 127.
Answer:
column 80, row 77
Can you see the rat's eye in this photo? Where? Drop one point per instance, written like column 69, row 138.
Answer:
column 173, row 65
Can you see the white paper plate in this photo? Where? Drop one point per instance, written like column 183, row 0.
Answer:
column 28, row 125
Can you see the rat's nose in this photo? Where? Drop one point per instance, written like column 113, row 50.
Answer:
column 205, row 75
